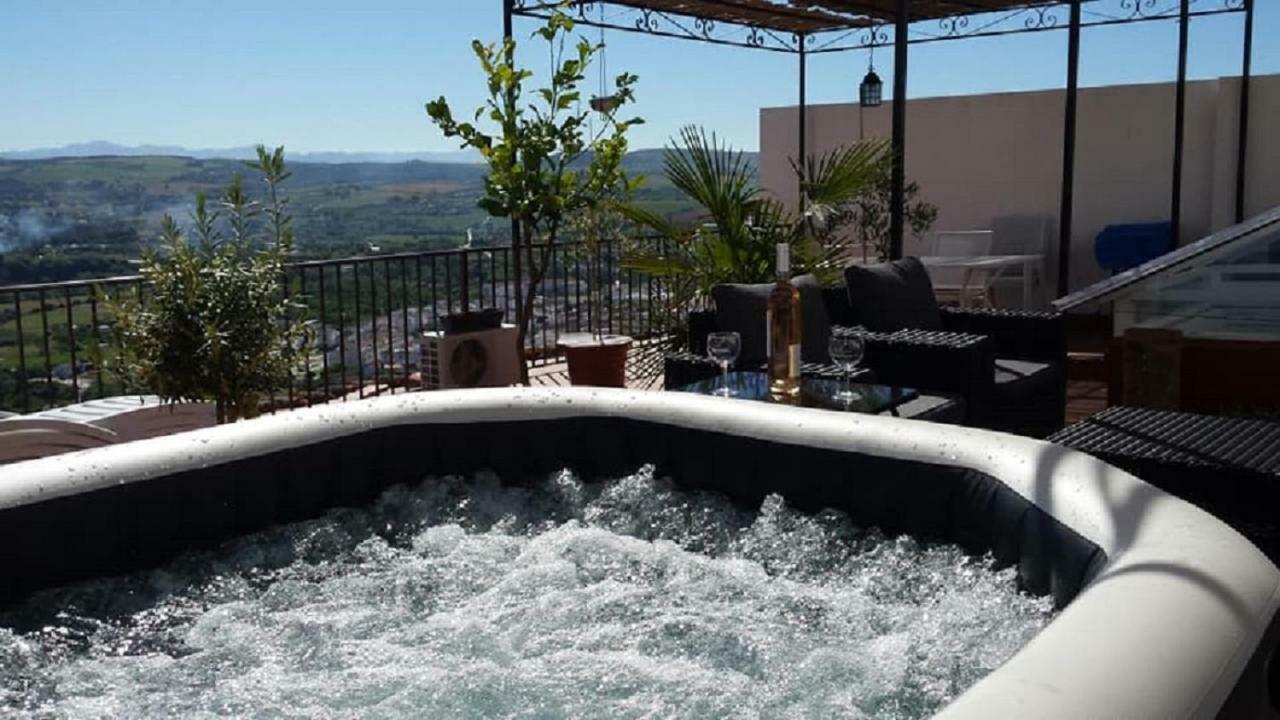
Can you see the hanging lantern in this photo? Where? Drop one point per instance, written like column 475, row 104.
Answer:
column 871, row 91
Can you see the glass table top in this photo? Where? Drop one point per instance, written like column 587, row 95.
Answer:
column 814, row 393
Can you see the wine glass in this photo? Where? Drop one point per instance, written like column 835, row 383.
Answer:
column 723, row 347
column 846, row 351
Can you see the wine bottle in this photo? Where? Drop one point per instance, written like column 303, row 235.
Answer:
column 783, row 330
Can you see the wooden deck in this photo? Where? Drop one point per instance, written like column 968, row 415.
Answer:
column 1085, row 398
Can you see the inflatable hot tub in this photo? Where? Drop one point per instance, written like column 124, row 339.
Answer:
column 1165, row 611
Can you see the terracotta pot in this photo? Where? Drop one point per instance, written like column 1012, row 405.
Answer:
column 592, row 361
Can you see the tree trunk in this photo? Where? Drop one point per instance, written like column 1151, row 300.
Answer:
column 537, row 273
column 522, row 329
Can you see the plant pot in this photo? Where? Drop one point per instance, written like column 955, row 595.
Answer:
column 604, row 104
column 595, row 361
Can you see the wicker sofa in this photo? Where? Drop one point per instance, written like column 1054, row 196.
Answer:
column 1008, row 366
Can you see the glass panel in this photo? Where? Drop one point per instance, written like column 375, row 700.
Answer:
column 1232, row 292
column 1225, row 286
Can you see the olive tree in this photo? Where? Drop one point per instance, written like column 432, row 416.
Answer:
column 217, row 324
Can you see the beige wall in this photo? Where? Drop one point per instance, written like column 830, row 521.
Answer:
column 995, row 161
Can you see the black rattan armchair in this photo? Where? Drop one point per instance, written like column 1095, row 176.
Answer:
column 1009, row 365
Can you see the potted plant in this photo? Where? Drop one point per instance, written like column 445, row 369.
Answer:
column 544, row 165
column 868, row 214
column 217, row 325
column 606, row 104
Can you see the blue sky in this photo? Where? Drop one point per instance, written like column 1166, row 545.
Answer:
column 326, row 75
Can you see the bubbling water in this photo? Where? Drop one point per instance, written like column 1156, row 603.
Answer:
column 466, row 598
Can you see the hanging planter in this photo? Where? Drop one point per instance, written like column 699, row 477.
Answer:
column 604, row 104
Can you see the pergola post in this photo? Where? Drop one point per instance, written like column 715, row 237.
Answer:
column 802, row 158
column 1179, row 121
column 897, row 191
column 1069, row 151
column 516, row 269
column 1242, row 142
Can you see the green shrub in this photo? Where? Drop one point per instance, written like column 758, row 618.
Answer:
column 216, row 324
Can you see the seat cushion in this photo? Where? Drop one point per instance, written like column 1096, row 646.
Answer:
column 892, row 296
column 1020, row 379
column 742, row 308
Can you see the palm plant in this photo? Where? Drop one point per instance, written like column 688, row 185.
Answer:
column 735, row 239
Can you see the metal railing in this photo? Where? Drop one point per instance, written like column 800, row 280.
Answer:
column 367, row 315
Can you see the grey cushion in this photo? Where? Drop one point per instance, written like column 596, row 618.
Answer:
column 1018, row 379
column 741, row 308
column 892, row 296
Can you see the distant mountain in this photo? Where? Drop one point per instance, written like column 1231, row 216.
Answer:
column 102, row 148
column 644, row 161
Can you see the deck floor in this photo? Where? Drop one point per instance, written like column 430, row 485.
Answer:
column 1085, row 398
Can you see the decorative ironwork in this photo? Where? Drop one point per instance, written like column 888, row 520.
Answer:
column 1138, row 8
column 1041, row 19
column 718, row 30
column 874, row 36
column 647, row 21
column 954, row 26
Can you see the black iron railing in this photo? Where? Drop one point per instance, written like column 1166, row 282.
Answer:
column 367, row 315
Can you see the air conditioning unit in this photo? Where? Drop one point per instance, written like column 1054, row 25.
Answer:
column 486, row 358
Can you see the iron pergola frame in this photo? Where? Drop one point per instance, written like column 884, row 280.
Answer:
column 870, row 25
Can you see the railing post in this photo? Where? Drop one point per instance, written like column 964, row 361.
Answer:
column 22, row 374
column 97, row 341
column 71, row 342
column 48, row 354
column 373, row 328
column 465, row 284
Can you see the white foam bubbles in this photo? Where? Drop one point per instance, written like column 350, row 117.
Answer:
column 465, row 598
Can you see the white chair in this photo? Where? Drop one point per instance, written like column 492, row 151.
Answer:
column 1021, row 235
column 31, row 439
column 959, row 284
column 95, row 423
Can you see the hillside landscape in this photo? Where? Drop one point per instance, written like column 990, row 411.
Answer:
column 72, row 217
